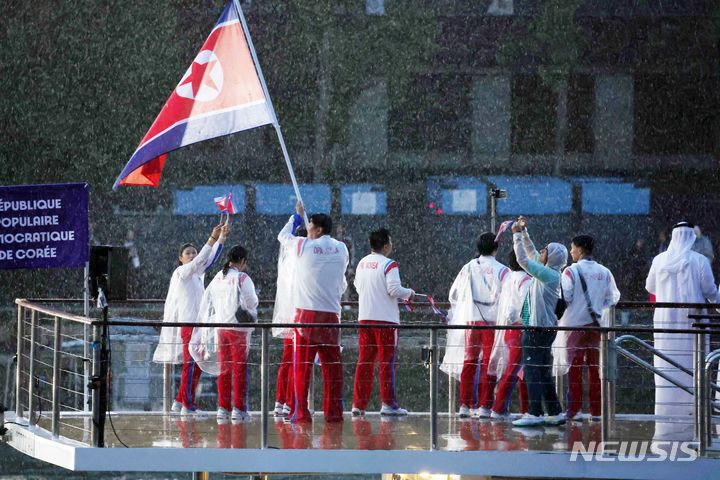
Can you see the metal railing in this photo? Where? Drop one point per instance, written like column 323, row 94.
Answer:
column 54, row 351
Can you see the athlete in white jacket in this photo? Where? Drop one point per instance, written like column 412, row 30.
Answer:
column 319, row 282
column 474, row 297
column 585, row 306
column 229, row 298
column 377, row 280
column 181, row 305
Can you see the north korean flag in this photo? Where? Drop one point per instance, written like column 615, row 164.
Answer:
column 219, row 94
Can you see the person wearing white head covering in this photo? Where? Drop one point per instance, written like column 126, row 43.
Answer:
column 684, row 276
column 539, row 311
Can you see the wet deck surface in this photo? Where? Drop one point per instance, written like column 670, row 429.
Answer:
column 371, row 432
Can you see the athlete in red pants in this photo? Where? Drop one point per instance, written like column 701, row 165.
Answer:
column 583, row 349
column 318, row 282
column 325, row 343
column 284, row 393
column 513, row 341
column 376, row 344
column 477, row 342
column 232, row 357
column 474, row 298
column 190, row 373
column 377, row 280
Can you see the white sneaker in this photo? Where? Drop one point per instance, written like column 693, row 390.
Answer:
column 578, row 417
column 500, row 417
column 286, row 410
column 558, row 419
column 186, row 412
column 176, row 407
column 390, row 411
column 238, row 414
column 278, row 411
column 223, row 413
column 528, row 420
column 463, row 411
column 483, row 412
column 356, row 412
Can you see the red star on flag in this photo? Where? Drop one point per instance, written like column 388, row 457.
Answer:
column 197, row 78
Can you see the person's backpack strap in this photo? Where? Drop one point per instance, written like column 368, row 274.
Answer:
column 594, row 316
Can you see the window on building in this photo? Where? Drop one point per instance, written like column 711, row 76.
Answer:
column 533, row 115
column 580, row 106
column 375, row 7
column 675, row 114
column 430, row 112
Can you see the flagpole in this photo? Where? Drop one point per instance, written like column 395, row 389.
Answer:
column 276, row 124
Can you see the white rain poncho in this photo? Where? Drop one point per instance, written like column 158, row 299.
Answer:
column 225, row 296
column 284, row 310
column 465, row 310
column 182, row 303
column 678, row 275
column 510, row 304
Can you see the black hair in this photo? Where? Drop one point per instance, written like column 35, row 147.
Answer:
column 301, row 232
column 236, row 254
column 486, row 244
column 323, row 221
column 182, row 249
column 513, row 263
column 683, row 224
column 379, row 238
column 586, row 242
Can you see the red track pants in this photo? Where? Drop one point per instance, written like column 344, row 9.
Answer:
column 190, row 373
column 477, row 342
column 513, row 340
column 325, row 343
column 285, row 386
column 583, row 348
column 374, row 343
column 232, row 357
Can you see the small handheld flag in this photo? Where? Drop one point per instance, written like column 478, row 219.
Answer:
column 503, row 226
column 225, row 204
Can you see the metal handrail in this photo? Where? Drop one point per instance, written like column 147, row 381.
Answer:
column 21, row 302
column 647, row 366
column 609, row 347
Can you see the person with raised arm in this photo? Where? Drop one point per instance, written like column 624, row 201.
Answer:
column 181, row 306
column 538, row 310
column 318, row 284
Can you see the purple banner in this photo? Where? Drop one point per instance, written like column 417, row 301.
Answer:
column 44, row 226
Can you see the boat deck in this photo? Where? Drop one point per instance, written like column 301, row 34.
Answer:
column 369, row 444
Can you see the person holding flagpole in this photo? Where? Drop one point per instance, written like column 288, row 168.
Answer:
column 284, row 312
column 318, row 284
column 181, row 306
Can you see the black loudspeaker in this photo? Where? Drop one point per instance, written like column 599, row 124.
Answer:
column 109, row 268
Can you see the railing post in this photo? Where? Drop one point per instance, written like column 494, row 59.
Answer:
column 56, row 380
column 19, row 362
column 167, row 387
column 31, row 367
column 86, row 338
column 96, row 430
column 608, row 377
column 700, row 394
column 264, row 387
column 433, row 389
column 707, row 372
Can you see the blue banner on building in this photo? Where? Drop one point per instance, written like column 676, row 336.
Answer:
column 44, row 226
